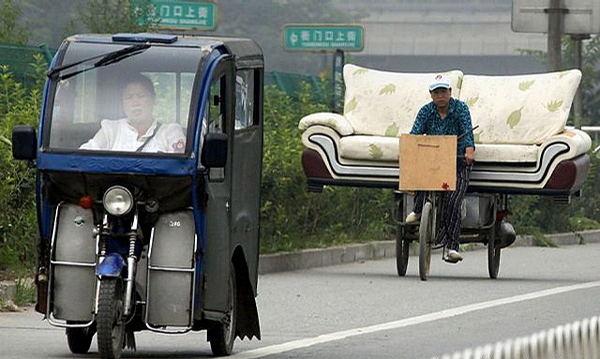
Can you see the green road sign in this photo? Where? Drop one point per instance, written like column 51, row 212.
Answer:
column 182, row 15
column 330, row 37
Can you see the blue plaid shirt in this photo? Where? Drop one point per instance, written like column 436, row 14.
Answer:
column 457, row 122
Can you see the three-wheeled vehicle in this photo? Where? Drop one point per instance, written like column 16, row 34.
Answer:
column 153, row 235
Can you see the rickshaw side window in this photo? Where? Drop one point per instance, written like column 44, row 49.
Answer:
column 244, row 99
column 216, row 113
column 216, row 109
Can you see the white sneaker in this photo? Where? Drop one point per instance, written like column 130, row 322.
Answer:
column 413, row 217
column 453, row 256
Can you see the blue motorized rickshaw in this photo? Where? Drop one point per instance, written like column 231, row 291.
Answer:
column 152, row 235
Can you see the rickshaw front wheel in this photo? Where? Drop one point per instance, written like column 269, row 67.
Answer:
column 80, row 339
column 222, row 335
column 110, row 326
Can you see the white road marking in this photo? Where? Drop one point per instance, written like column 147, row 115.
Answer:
column 448, row 313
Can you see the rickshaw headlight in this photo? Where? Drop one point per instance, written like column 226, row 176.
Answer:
column 118, row 200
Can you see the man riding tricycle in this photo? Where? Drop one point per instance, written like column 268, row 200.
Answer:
column 148, row 166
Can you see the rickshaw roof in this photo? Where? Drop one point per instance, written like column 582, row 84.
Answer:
column 241, row 48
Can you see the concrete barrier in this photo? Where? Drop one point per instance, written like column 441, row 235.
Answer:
column 311, row 258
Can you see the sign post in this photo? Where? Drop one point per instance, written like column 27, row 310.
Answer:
column 336, row 38
column 180, row 15
column 323, row 37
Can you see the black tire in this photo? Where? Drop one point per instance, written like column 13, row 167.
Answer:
column 493, row 255
column 222, row 335
column 110, row 325
column 80, row 339
column 426, row 230
column 402, row 252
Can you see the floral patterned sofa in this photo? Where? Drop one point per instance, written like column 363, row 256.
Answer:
column 522, row 143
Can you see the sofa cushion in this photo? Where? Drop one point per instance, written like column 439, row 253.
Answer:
column 370, row 148
column 385, row 103
column 385, row 149
column 498, row 153
column 519, row 109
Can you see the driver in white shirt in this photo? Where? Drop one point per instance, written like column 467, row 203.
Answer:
column 139, row 131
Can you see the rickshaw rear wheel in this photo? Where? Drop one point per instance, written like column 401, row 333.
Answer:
column 425, row 233
column 80, row 339
column 402, row 251
column 493, row 255
column 222, row 335
column 110, row 325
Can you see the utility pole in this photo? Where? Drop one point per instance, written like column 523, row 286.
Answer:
column 555, row 30
column 577, row 18
column 577, row 101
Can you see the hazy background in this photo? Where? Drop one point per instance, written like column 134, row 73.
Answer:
column 403, row 35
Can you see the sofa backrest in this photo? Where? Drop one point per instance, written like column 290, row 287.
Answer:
column 385, row 103
column 519, row 109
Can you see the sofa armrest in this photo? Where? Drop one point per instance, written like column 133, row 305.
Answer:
column 579, row 141
column 334, row 121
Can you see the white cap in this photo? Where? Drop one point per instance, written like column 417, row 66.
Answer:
column 440, row 81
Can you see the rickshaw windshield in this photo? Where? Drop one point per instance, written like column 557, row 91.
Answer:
column 140, row 103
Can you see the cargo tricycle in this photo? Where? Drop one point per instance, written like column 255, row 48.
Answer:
column 149, row 225
column 523, row 146
column 429, row 165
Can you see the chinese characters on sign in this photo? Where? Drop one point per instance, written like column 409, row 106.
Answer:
column 323, row 37
column 183, row 15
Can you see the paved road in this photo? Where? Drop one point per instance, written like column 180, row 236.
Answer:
column 363, row 310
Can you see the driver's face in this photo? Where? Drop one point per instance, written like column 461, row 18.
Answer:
column 138, row 103
column 441, row 96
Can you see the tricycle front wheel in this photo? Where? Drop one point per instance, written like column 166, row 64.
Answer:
column 110, row 325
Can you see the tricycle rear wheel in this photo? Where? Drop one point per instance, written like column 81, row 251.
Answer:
column 402, row 251
column 222, row 335
column 493, row 255
column 426, row 231
column 80, row 339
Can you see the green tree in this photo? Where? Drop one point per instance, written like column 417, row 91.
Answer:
column 47, row 23
column 591, row 77
column 292, row 217
column 113, row 16
column 590, row 70
column 12, row 31
column 18, row 222
column 537, row 212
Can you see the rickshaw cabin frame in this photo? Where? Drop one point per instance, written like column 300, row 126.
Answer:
column 217, row 178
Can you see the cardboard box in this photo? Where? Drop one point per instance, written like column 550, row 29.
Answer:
column 427, row 163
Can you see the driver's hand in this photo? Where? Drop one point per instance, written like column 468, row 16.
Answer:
column 469, row 155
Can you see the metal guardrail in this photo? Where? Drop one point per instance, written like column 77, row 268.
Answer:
column 578, row 340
